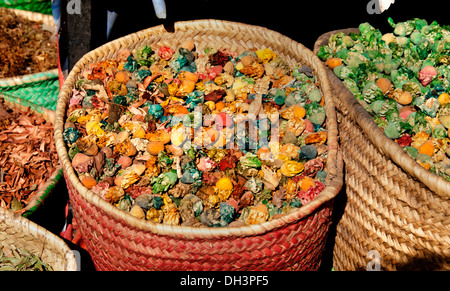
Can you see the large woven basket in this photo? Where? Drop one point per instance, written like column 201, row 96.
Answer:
column 394, row 206
column 17, row 232
column 118, row 241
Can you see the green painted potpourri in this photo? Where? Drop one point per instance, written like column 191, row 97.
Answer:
column 199, row 137
column 402, row 79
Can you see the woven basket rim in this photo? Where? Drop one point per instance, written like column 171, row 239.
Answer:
column 24, row 227
column 435, row 183
column 28, row 78
column 335, row 179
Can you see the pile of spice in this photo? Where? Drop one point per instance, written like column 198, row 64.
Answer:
column 199, row 137
column 402, row 79
column 26, row 46
column 28, row 156
column 21, row 260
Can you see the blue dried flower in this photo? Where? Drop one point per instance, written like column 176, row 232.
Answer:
column 155, row 110
column 227, row 212
column 70, row 135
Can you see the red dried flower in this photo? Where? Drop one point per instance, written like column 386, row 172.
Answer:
column 309, row 195
column 209, row 178
column 238, row 189
column 312, row 167
column 219, row 59
column 98, row 103
column 215, row 95
column 404, row 140
column 97, row 73
column 165, row 53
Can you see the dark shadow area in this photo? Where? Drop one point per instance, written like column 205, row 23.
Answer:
column 51, row 214
column 430, row 263
column 338, row 210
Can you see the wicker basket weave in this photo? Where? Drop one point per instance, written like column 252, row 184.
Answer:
column 118, row 241
column 394, row 206
column 17, row 232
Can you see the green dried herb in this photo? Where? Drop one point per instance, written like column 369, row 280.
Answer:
column 22, row 260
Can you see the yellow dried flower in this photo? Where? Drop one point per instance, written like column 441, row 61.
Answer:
column 291, row 168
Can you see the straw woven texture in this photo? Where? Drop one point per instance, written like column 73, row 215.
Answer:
column 118, row 241
column 17, row 232
column 394, row 206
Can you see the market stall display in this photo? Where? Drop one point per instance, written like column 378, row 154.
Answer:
column 175, row 172
column 28, row 93
column 391, row 95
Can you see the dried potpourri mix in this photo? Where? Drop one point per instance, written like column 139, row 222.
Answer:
column 199, row 138
column 26, row 46
column 402, row 79
column 28, row 156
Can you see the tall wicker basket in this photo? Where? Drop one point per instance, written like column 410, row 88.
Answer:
column 118, row 241
column 394, row 206
column 17, row 232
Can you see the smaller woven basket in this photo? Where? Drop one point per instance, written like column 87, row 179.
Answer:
column 17, row 232
column 40, row 6
column 118, row 241
column 36, row 92
column 394, row 206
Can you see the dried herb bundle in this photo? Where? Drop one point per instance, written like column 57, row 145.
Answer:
column 22, row 260
column 26, row 46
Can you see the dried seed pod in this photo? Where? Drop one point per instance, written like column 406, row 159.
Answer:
column 114, row 194
column 385, row 85
column 258, row 214
column 333, row 62
column 319, row 137
column 137, row 211
column 172, row 217
column 88, row 181
column 82, row 163
column 155, row 147
column 125, row 148
column 155, row 215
